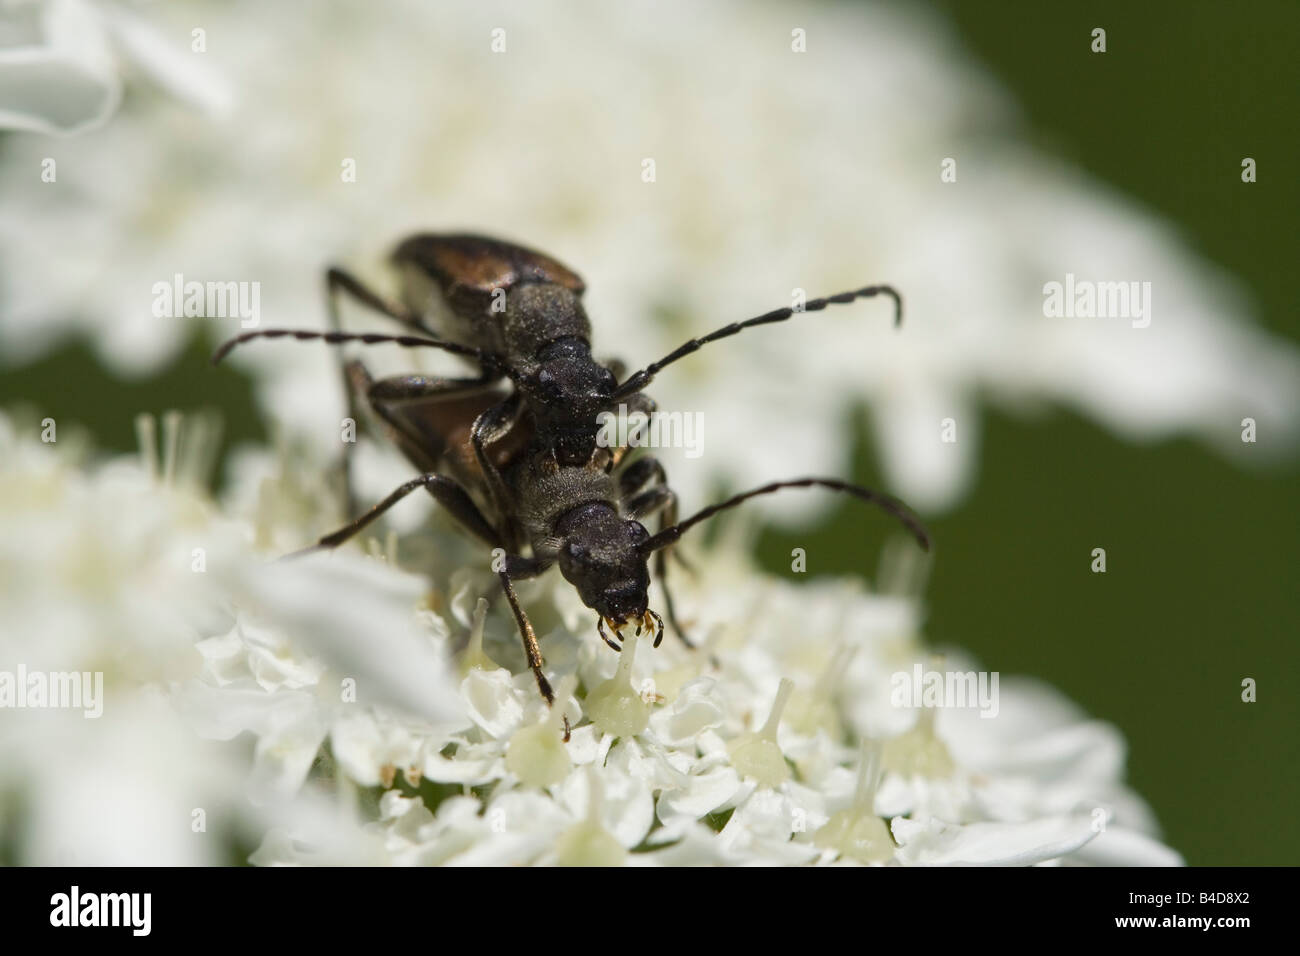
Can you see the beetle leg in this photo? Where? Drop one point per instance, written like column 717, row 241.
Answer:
column 659, row 499
column 404, row 389
column 444, row 490
column 518, row 567
column 531, row 650
column 640, row 402
column 668, row 517
column 648, row 503
column 488, row 428
column 419, row 435
column 336, row 281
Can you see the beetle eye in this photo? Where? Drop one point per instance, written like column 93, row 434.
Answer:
column 637, row 532
column 549, row 386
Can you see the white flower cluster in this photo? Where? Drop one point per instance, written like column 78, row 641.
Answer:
column 392, row 720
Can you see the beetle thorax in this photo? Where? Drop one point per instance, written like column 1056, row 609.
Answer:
column 540, row 313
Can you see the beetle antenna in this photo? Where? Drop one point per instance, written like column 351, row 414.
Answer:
column 365, row 338
column 639, row 380
column 890, row 505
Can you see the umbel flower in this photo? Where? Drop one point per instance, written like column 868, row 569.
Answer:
column 372, row 706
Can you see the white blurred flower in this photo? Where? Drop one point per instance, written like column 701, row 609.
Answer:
column 62, row 64
column 56, row 71
column 775, row 170
column 126, row 572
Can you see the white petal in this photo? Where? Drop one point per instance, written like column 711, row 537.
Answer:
column 908, row 424
column 627, row 808
column 1118, row 846
column 702, row 794
column 472, row 764
column 936, row 843
column 695, row 710
column 493, row 701
column 366, row 745
column 183, row 73
column 763, row 826
column 359, row 615
column 64, row 80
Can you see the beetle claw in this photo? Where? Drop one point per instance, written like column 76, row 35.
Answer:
column 658, row 626
column 600, row 628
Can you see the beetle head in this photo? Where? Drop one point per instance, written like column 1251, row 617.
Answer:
column 601, row 556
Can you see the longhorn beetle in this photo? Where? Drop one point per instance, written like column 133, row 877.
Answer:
column 584, row 518
column 530, row 455
column 517, row 314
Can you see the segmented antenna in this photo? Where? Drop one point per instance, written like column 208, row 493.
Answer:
column 887, row 504
column 639, row 380
column 364, row 338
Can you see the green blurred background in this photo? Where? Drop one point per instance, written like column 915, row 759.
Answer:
column 1199, row 552
column 1202, row 557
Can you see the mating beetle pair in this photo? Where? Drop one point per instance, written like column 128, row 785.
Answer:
column 512, row 453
